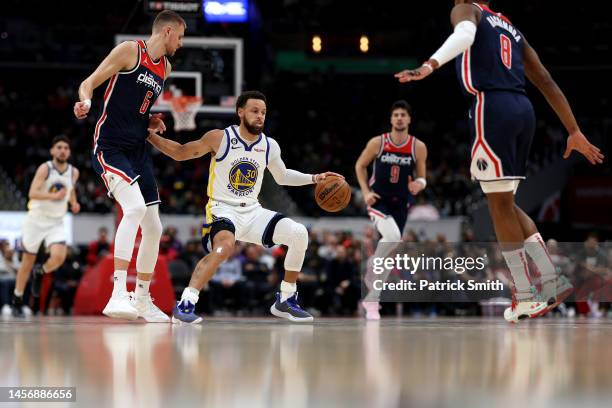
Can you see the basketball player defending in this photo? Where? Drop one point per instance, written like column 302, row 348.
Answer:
column 240, row 155
column 492, row 59
column 136, row 71
column 391, row 189
column 50, row 192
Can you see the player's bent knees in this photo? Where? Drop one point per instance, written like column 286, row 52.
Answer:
column 224, row 249
column 290, row 233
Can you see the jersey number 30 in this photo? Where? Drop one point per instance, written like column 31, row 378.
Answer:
column 146, row 102
column 506, row 50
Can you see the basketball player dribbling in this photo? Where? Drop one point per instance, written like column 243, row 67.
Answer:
column 135, row 71
column 492, row 59
column 391, row 189
column 240, row 156
column 51, row 191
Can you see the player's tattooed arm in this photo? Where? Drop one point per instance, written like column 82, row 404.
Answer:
column 208, row 143
column 538, row 75
column 37, row 191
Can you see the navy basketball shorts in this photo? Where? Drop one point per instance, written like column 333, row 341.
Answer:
column 131, row 166
column 390, row 207
column 502, row 126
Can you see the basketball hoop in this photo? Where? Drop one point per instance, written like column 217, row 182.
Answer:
column 184, row 110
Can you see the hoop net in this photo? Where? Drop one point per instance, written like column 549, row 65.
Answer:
column 184, row 110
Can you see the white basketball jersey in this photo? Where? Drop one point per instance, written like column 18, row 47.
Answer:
column 237, row 170
column 54, row 182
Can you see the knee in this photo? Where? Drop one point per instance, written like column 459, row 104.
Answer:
column 151, row 227
column 224, row 249
column 136, row 211
column 57, row 259
column 391, row 236
column 300, row 236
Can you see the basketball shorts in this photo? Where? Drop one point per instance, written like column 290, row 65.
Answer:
column 253, row 224
column 131, row 166
column 392, row 207
column 38, row 228
column 502, row 126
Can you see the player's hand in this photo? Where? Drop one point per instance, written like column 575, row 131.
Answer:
column 156, row 124
column 75, row 207
column 322, row 176
column 370, row 198
column 81, row 109
column 577, row 141
column 58, row 195
column 418, row 74
column 414, row 186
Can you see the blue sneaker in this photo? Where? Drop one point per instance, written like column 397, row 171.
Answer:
column 183, row 313
column 289, row 309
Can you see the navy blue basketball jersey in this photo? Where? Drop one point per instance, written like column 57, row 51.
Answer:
column 128, row 99
column 495, row 61
column 392, row 167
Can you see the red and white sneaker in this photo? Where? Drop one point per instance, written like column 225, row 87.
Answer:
column 371, row 309
column 528, row 307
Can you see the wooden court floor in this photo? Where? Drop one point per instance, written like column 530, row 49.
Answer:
column 457, row 362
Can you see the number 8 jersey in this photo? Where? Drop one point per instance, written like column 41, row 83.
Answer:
column 494, row 62
column 128, row 98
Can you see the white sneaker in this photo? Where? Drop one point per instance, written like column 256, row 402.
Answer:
column 120, row 307
column 371, row 309
column 524, row 309
column 147, row 309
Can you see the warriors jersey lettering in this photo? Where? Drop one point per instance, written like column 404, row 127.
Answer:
column 128, row 99
column 54, row 182
column 237, row 171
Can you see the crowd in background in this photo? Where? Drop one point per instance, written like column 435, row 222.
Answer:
column 330, row 283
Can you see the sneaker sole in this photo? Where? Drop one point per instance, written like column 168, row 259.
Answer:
column 120, row 315
column 289, row 316
column 161, row 320
column 180, row 322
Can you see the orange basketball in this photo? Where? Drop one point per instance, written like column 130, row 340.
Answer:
column 333, row 194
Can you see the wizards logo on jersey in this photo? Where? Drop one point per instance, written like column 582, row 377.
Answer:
column 243, row 176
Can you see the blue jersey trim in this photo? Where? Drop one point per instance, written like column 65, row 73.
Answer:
column 246, row 146
column 267, row 151
column 227, row 148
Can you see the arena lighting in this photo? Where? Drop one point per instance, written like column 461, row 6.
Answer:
column 226, row 11
column 364, row 44
column 317, row 44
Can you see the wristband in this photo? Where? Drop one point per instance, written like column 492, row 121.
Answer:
column 422, row 181
column 87, row 102
column 314, row 179
column 428, row 65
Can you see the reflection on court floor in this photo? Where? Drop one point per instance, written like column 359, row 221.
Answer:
column 335, row 362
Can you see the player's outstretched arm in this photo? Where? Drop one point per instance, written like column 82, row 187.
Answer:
column 465, row 19
column 122, row 57
column 37, row 191
column 366, row 157
column 541, row 78
column 420, row 182
column 208, row 143
column 288, row 177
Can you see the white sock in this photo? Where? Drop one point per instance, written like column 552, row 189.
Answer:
column 517, row 263
column 119, row 282
column 18, row 293
column 287, row 290
column 191, row 294
column 142, row 287
column 535, row 247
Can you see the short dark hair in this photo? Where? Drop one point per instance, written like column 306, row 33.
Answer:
column 245, row 96
column 401, row 104
column 60, row 138
column 166, row 17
